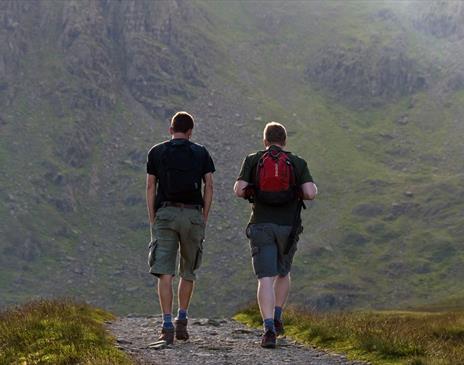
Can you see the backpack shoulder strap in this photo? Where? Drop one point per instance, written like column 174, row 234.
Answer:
column 261, row 155
column 291, row 164
column 164, row 149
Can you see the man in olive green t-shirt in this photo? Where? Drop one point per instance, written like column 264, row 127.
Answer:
column 269, row 230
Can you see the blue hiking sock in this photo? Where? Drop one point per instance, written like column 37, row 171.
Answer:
column 167, row 321
column 269, row 324
column 182, row 314
column 278, row 313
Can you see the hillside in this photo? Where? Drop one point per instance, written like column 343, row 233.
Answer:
column 372, row 94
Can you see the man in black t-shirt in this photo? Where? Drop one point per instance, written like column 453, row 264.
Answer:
column 177, row 211
column 273, row 229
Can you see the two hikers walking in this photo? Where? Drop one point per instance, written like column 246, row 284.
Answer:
column 275, row 181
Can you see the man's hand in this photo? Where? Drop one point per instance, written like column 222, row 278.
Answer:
column 248, row 191
column 207, row 195
column 240, row 188
column 151, row 194
column 309, row 190
column 152, row 228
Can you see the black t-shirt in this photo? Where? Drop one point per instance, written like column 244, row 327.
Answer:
column 155, row 167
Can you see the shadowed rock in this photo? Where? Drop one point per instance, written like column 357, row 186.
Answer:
column 366, row 75
column 443, row 19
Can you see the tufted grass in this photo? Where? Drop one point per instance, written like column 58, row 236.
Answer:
column 57, row 332
column 387, row 337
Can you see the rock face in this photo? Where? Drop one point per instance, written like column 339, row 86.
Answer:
column 108, row 44
column 443, row 19
column 365, row 75
column 158, row 55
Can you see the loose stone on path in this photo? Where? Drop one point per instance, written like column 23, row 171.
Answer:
column 212, row 341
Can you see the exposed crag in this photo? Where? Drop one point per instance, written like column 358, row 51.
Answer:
column 443, row 19
column 366, row 75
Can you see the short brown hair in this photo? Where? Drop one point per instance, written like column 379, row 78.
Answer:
column 182, row 122
column 275, row 133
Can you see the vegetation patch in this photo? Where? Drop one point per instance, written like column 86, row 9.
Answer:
column 57, row 332
column 387, row 337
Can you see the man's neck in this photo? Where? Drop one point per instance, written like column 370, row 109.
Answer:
column 276, row 145
column 179, row 136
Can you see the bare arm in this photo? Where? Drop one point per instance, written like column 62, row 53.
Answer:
column 239, row 188
column 309, row 191
column 207, row 194
column 151, row 194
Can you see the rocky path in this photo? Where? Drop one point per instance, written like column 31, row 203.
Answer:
column 213, row 342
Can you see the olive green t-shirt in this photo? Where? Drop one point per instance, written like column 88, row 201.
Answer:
column 262, row 213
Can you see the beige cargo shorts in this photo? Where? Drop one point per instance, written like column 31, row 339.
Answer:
column 177, row 230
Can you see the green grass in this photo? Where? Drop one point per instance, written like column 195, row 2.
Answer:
column 387, row 337
column 57, row 332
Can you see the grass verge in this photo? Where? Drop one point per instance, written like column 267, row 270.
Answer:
column 57, row 332
column 393, row 337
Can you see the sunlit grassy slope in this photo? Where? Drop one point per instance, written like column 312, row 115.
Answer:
column 387, row 337
column 386, row 227
column 57, row 332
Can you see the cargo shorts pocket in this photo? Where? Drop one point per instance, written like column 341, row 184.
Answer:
column 197, row 220
column 151, row 252
column 248, row 231
column 198, row 228
column 164, row 218
column 198, row 257
column 254, row 250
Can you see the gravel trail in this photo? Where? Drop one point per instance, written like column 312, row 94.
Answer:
column 213, row 341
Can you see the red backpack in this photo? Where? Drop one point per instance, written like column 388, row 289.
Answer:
column 275, row 178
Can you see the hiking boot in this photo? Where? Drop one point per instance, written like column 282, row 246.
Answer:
column 167, row 334
column 268, row 340
column 181, row 329
column 279, row 327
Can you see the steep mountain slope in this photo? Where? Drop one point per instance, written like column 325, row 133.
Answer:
column 83, row 84
column 372, row 96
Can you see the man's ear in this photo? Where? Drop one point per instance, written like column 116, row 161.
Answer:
column 171, row 131
column 265, row 143
column 189, row 133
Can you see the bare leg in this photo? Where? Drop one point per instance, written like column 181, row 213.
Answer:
column 281, row 289
column 165, row 293
column 266, row 297
column 184, row 292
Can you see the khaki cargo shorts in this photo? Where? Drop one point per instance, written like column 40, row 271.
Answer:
column 267, row 244
column 177, row 229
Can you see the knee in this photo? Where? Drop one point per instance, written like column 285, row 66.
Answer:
column 266, row 281
column 165, row 279
column 186, row 281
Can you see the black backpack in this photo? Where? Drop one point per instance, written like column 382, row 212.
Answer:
column 182, row 177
